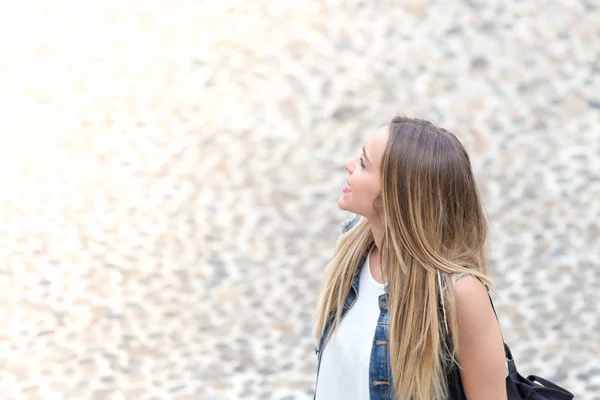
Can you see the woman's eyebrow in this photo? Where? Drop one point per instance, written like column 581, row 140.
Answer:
column 365, row 153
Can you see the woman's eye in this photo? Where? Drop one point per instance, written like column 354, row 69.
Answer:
column 362, row 164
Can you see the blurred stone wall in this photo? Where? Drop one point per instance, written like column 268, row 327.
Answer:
column 170, row 171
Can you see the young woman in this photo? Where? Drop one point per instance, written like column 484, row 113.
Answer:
column 404, row 312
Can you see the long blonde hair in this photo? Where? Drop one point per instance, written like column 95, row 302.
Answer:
column 434, row 226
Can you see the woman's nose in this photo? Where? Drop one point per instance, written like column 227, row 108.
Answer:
column 348, row 165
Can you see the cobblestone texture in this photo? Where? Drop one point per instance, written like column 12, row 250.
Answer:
column 170, row 171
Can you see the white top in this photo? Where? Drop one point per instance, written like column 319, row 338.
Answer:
column 344, row 370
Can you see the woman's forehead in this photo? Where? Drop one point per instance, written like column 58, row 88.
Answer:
column 376, row 143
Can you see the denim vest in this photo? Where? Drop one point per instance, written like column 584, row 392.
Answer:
column 380, row 374
column 380, row 386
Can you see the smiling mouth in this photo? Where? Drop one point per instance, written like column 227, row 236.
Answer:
column 347, row 188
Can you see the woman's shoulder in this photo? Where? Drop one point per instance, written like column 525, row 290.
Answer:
column 459, row 275
column 467, row 285
column 466, row 272
column 473, row 303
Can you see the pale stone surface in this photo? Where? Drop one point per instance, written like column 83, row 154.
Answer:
column 170, row 171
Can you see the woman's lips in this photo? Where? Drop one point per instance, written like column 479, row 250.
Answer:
column 347, row 190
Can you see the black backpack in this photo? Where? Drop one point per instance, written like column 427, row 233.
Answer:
column 533, row 387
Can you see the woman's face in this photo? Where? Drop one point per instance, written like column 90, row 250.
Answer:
column 364, row 185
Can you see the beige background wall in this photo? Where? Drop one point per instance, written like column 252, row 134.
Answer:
column 170, row 171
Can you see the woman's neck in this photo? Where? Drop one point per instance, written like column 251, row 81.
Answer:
column 377, row 231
